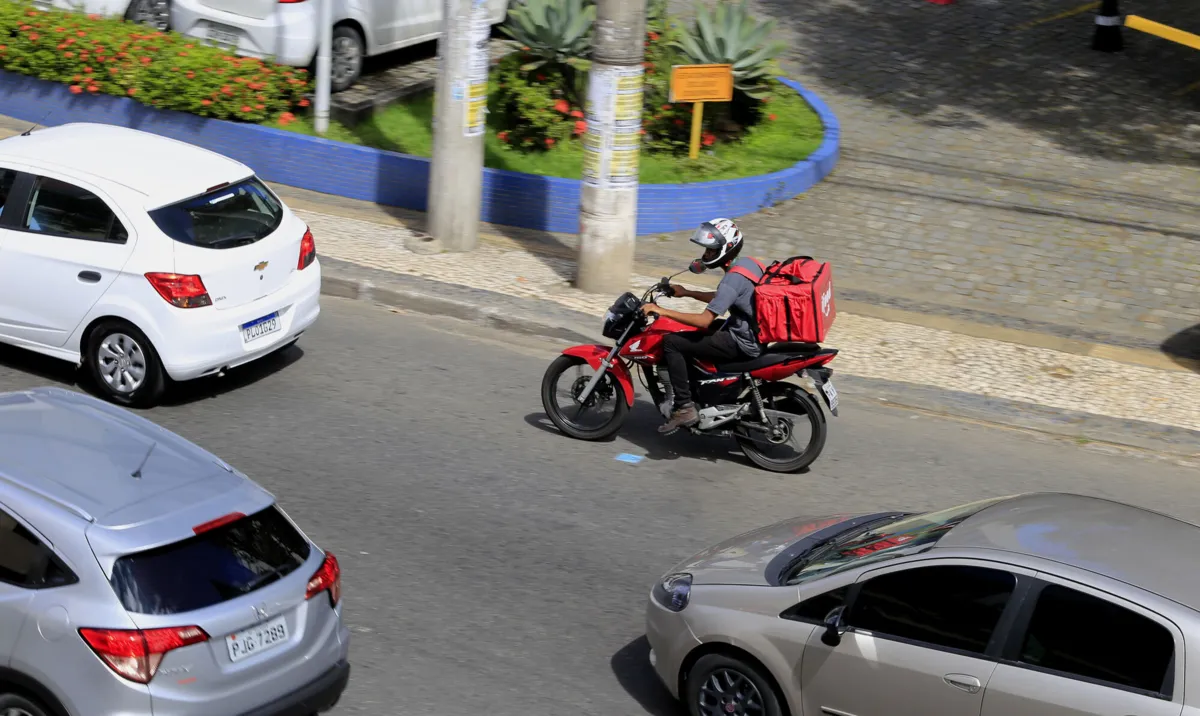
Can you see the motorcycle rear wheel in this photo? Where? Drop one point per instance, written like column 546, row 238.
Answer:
column 607, row 390
column 799, row 405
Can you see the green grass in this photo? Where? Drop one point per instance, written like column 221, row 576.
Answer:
column 772, row 145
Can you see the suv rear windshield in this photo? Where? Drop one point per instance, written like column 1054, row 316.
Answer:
column 233, row 215
column 212, row 567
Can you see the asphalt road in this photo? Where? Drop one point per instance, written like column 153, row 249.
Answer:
column 492, row 565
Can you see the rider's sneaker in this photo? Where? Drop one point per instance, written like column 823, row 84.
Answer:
column 684, row 417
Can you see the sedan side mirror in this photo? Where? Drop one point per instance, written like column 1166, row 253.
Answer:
column 835, row 626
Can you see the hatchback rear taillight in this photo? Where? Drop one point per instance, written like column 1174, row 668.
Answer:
column 180, row 290
column 328, row 578
column 308, row 250
column 136, row 653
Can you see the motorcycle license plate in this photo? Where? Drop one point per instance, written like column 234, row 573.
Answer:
column 831, row 395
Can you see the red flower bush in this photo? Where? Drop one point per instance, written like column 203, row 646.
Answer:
column 160, row 69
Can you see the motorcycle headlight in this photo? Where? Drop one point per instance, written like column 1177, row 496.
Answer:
column 673, row 591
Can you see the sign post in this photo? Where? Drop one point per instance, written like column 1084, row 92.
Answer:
column 699, row 84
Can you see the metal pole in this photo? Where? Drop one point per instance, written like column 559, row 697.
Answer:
column 1107, row 37
column 608, row 206
column 460, row 113
column 324, row 66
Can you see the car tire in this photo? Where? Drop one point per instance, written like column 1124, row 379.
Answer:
column 16, row 705
column 124, row 365
column 739, row 679
column 349, row 51
column 152, row 13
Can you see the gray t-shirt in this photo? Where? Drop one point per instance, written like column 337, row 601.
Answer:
column 735, row 294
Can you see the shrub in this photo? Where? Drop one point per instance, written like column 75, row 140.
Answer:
column 531, row 108
column 729, row 35
column 95, row 55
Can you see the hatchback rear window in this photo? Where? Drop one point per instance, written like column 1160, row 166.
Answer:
column 212, row 567
column 229, row 216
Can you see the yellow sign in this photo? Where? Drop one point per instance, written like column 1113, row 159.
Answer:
column 702, row 83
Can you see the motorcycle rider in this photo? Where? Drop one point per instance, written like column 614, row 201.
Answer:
column 736, row 340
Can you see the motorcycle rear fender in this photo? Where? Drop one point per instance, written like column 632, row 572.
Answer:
column 594, row 355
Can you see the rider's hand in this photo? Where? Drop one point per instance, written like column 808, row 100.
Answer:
column 678, row 291
column 650, row 308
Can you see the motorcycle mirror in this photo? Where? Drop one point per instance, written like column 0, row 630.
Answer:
column 697, row 266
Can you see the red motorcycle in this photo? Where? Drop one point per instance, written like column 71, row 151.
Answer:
column 762, row 403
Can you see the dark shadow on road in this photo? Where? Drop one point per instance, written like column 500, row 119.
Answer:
column 1184, row 348
column 641, row 429
column 631, row 666
column 44, row 367
column 948, row 65
column 179, row 394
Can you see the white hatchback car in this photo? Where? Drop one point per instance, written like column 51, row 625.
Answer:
column 143, row 258
column 287, row 30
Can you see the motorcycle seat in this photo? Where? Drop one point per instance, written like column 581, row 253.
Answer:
column 806, row 348
column 763, row 361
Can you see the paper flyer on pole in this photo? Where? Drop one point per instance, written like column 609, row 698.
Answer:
column 614, row 102
column 479, row 63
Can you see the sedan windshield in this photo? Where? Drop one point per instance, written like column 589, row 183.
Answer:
column 228, row 216
column 893, row 539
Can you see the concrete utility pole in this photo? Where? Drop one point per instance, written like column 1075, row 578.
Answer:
column 324, row 67
column 608, row 210
column 460, row 114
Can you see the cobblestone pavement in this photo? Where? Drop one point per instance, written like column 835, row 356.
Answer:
column 870, row 347
column 993, row 162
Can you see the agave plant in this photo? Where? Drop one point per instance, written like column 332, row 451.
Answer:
column 557, row 32
column 730, row 35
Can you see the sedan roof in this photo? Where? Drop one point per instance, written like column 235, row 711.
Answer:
column 164, row 170
column 1142, row 548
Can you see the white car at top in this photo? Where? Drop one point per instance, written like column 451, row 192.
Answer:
column 285, row 31
column 145, row 259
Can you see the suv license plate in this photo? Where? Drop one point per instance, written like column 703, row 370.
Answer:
column 256, row 639
column 260, row 327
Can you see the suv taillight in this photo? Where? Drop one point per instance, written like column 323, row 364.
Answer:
column 136, row 653
column 327, row 578
column 179, row 290
column 308, row 250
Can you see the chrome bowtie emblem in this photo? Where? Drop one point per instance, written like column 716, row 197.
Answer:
column 260, row 611
column 261, row 265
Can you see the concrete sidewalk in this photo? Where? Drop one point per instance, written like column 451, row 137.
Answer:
column 1037, row 369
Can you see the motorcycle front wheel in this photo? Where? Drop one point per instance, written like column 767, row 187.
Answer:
column 804, row 431
column 562, row 385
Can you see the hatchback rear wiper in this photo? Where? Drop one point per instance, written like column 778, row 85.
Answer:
column 239, row 240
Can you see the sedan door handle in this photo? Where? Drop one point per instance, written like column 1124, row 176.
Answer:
column 963, row 681
column 89, row 277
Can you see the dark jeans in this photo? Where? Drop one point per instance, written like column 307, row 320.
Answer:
column 717, row 347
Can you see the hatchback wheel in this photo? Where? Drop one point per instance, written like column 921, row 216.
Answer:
column 346, row 60
column 125, row 366
column 14, row 705
column 719, row 685
column 154, row 13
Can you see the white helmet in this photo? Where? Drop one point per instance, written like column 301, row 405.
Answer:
column 721, row 240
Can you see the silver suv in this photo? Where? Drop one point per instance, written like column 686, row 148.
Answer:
column 140, row 573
